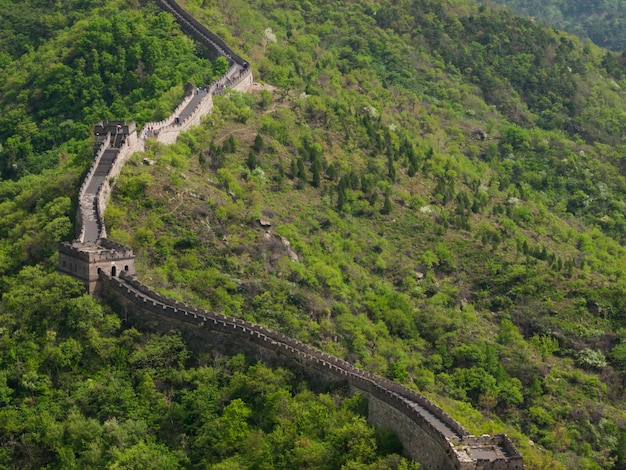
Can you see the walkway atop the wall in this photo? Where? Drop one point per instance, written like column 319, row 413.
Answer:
column 435, row 422
column 198, row 95
column 441, row 426
column 466, row 451
column 90, row 219
column 201, row 92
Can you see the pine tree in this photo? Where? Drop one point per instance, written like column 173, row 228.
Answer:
column 230, row 145
column 331, row 172
column 391, row 169
column 252, row 162
column 293, row 172
column 341, row 198
column 386, row 205
column 301, row 170
column 258, row 144
column 279, row 178
column 315, row 169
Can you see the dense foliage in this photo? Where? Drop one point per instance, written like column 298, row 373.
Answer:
column 106, row 62
column 602, row 21
column 79, row 392
column 445, row 187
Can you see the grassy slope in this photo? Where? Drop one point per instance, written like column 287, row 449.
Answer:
column 602, row 22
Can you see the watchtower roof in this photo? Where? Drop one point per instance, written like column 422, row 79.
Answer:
column 101, row 249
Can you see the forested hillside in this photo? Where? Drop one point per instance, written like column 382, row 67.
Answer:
column 102, row 63
column 446, row 193
column 602, row 21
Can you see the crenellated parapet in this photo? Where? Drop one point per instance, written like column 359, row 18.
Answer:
column 428, row 434
column 198, row 102
column 114, row 143
column 492, row 453
column 196, row 105
column 85, row 202
column 152, row 128
column 128, row 145
column 202, row 34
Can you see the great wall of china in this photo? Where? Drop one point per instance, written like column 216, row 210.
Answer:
column 427, row 433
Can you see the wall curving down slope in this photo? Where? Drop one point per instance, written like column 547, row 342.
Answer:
column 428, row 434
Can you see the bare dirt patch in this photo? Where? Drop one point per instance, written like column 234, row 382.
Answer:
column 256, row 87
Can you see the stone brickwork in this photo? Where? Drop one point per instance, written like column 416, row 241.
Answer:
column 86, row 261
column 115, row 142
column 427, row 433
column 85, row 202
column 208, row 39
column 429, row 448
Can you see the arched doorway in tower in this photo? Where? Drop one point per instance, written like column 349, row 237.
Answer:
column 113, row 271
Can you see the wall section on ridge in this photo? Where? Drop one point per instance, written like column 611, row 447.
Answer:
column 427, row 433
column 193, row 27
column 84, row 202
column 103, row 195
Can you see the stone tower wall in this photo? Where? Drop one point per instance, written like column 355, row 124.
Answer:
column 85, row 261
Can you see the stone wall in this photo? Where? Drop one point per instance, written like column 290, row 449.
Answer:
column 428, row 434
column 76, row 266
column 238, row 77
column 85, row 261
column 192, row 27
column 130, row 146
column 105, row 136
column 500, row 445
column 168, row 130
column 168, row 133
column 168, row 120
column 84, row 203
column 243, row 81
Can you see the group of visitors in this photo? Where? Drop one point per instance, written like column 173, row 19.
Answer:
column 149, row 131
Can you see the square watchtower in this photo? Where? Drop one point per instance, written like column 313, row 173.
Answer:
column 85, row 261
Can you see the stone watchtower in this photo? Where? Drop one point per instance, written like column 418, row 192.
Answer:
column 85, row 261
column 91, row 254
column 120, row 131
